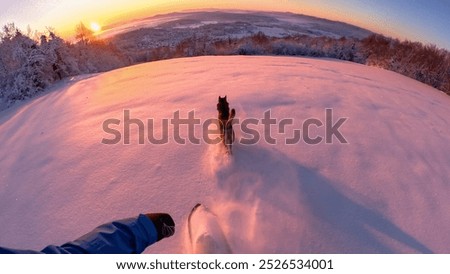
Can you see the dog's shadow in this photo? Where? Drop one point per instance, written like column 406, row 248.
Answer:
column 304, row 209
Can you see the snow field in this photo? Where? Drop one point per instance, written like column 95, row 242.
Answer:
column 384, row 192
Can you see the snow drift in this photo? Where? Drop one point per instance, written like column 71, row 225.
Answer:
column 386, row 191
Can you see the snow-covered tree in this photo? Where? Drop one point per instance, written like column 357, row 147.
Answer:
column 63, row 63
column 31, row 78
column 83, row 34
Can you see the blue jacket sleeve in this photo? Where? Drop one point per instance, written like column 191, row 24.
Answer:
column 126, row 236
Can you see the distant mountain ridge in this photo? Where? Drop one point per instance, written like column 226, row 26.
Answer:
column 276, row 24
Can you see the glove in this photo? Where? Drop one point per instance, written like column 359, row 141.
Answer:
column 165, row 226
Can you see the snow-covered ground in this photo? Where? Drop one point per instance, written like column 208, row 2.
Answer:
column 386, row 191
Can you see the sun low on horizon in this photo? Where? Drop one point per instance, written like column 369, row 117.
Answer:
column 95, row 27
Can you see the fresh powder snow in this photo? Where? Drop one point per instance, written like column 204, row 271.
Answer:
column 385, row 191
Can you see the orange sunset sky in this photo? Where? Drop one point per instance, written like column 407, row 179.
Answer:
column 421, row 20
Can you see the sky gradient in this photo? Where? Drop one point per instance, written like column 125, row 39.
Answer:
column 427, row 21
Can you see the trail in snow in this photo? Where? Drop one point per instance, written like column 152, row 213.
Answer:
column 264, row 195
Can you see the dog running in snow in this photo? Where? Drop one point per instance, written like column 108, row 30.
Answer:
column 226, row 123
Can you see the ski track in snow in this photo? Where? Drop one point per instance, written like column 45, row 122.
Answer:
column 384, row 192
column 264, row 195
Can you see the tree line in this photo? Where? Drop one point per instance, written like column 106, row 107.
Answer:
column 29, row 64
column 425, row 63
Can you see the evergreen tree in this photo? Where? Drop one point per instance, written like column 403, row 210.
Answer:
column 83, row 34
